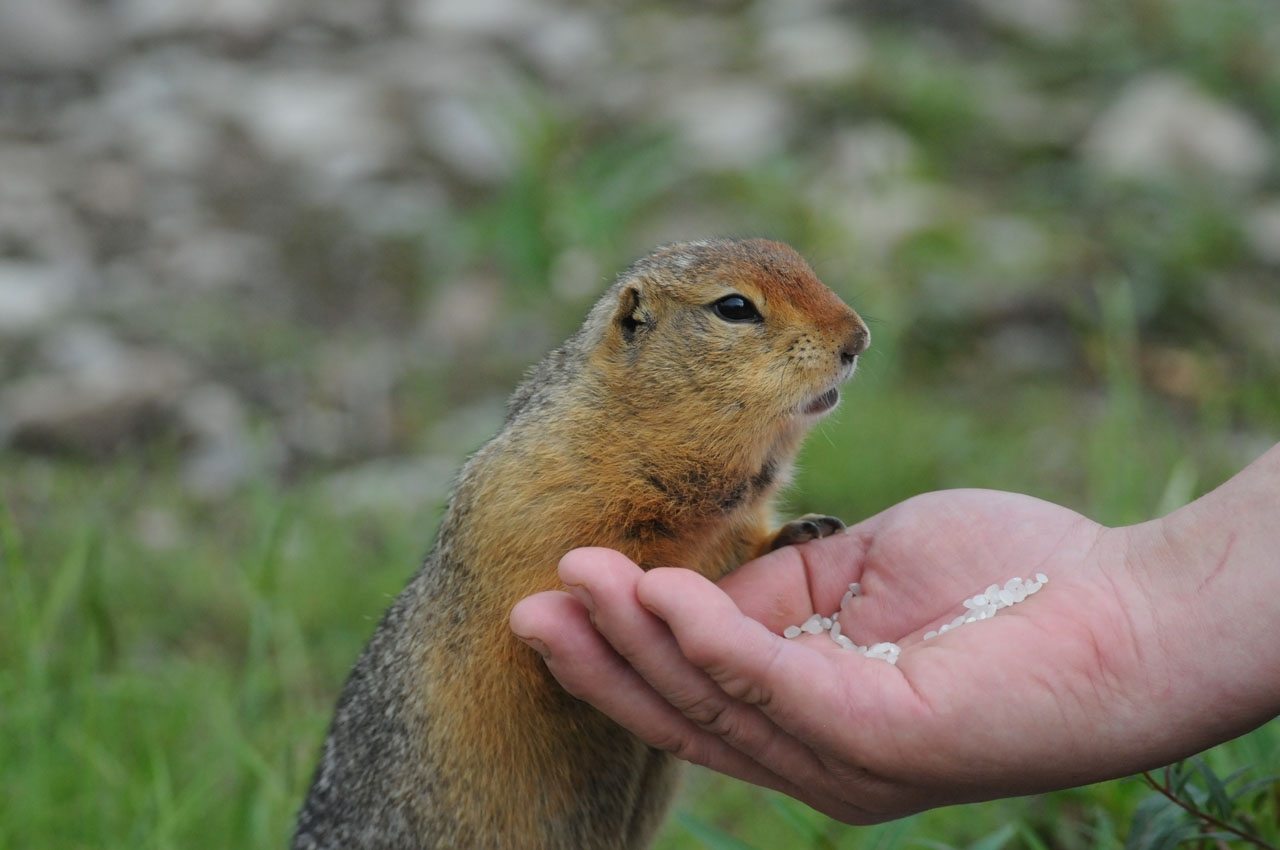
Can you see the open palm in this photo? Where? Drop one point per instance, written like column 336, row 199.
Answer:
column 701, row 670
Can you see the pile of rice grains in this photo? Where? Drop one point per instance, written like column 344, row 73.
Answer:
column 979, row 607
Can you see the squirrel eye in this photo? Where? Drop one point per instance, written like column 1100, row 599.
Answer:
column 735, row 308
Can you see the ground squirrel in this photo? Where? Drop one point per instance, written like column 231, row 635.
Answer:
column 662, row 429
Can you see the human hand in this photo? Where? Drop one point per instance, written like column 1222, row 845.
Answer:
column 1054, row 692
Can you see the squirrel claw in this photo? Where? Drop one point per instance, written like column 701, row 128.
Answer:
column 806, row 528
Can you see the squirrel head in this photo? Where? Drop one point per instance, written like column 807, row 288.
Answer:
column 740, row 332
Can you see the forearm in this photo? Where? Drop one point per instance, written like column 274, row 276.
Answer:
column 1211, row 571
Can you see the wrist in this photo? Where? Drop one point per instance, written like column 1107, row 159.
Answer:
column 1209, row 594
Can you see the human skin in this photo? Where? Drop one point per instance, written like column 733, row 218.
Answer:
column 1149, row 643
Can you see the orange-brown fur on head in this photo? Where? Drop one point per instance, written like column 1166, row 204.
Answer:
column 744, row 379
column 660, row 429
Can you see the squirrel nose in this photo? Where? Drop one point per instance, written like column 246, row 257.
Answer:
column 855, row 344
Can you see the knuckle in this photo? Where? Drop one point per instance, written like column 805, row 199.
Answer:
column 747, row 682
column 708, row 711
column 720, row 716
column 685, row 748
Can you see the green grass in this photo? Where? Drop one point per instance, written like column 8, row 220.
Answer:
column 173, row 693
column 168, row 666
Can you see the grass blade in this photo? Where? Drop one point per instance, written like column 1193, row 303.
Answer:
column 711, row 837
column 791, row 812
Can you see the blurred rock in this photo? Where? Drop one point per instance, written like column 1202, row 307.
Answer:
column 418, row 70
column 154, row 109
column 730, row 123
column 1249, row 314
column 576, row 275
column 97, row 395
column 51, row 35
column 816, row 51
column 36, row 225
column 343, row 407
column 221, row 457
column 403, row 486
column 878, row 221
column 770, row 15
column 567, row 44
column 158, row 529
column 467, row 140
column 1162, row 125
column 1013, row 248
column 1262, row 227
column 462, row 430
column 314, row 431
column 237, row 19
column 110, row 189
column 1186, row 374
column 1013, row 254
column 1045, row 21
column 33, row 294
column 370, row 20
column 1025, row 116
column 334, row 125
column 214, row 258
column 869, row 154
column 476, row 18
column 462, row 313
column 393, row 207
column 1017, row 349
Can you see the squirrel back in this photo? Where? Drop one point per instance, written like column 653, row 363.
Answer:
column 662, row 429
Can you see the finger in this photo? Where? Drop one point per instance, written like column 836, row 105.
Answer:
column 786, row 586
column 649, row 647
column 589, row 668
column 682, row 711
column 559, row 627
column 811, row 714
column 808, row 690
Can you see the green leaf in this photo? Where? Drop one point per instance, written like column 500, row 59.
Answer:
column 1217, row 790
column 1031, row 838
column 891, row 835
column 68, row 582
column 1103, row 830
column 1247, row 790
column 997, row 839
column 934, row 845
column 711, row 837
column 1177, row 777
column 794, row 814
column 1154, row 825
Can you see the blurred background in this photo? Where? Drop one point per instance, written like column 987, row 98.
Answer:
column 269, row 268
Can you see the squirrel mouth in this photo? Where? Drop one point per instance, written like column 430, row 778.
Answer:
column 822, row 403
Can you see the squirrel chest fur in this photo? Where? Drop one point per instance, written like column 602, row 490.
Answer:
column 662, row 429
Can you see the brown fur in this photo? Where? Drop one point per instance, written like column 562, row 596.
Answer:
column 660, row 430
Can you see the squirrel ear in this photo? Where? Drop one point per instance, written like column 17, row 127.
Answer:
column 631, row 317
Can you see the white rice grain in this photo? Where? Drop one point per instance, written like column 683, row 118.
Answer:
column 981, row 606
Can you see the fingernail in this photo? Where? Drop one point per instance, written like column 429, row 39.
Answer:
column 536, row 645
column 581, row 594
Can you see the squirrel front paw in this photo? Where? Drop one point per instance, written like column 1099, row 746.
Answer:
column 806, row 528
